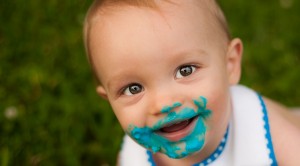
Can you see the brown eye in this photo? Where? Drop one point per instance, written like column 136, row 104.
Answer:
column 133, row 89
column 185, row 71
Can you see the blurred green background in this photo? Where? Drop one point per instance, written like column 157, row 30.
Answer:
column 50, row 113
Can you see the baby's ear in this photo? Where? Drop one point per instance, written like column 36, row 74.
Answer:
column 101, row 92
column 234, row 58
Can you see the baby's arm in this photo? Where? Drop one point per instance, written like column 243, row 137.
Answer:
column 285, row 131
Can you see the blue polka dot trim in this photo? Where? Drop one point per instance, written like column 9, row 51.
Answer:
column 272, row 158
column 206, row 161
column 216, row 153
column 150, row 158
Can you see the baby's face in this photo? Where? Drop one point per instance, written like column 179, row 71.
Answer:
column 165, row 74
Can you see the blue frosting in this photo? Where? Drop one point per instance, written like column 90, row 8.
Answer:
column 147, row 136
column 167, row 109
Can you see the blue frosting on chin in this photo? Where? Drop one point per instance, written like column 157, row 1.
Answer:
column 147, row 136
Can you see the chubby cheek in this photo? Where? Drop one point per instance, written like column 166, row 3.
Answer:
column 219, row 103
column 130, row 115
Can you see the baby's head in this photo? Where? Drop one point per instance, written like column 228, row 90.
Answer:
column 166, row 67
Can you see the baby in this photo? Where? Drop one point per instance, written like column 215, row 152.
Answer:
column 170, row 70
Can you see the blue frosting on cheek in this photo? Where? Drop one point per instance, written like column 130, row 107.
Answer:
column 194, row 142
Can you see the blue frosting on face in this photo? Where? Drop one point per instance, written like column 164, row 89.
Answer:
column 167, row 109
column 147, row 136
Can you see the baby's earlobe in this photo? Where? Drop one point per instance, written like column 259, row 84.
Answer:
column 101, row 92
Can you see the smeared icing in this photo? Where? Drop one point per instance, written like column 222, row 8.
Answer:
column 147, row 136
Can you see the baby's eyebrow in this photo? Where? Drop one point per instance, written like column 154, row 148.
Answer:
column 113, row 82
column 192, row 52
column 117, row 81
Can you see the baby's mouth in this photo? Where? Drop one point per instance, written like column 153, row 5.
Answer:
column 177, row 130
column 170, row 128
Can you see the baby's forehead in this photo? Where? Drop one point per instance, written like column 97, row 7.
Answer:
column 100, row 8
column 103, row 8
column 101, row 12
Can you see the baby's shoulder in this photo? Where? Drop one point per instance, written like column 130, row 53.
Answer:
column 285, row 131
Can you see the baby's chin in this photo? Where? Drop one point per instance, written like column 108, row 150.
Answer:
column 181, row 154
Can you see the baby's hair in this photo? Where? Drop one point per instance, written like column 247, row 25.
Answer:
column 98, row 7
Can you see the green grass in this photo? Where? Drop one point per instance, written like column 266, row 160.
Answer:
column 50, row 113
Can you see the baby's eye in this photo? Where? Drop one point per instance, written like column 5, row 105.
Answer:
column 185, row 71
column 133, row 89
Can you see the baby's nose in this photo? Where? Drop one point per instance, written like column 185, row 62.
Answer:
column 164, row 105
column 165, row 98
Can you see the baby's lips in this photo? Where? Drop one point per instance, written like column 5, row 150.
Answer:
column 179, row 130
column 175, row 127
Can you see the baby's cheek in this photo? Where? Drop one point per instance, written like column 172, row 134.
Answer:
column 220, row 107
column 126, row 120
